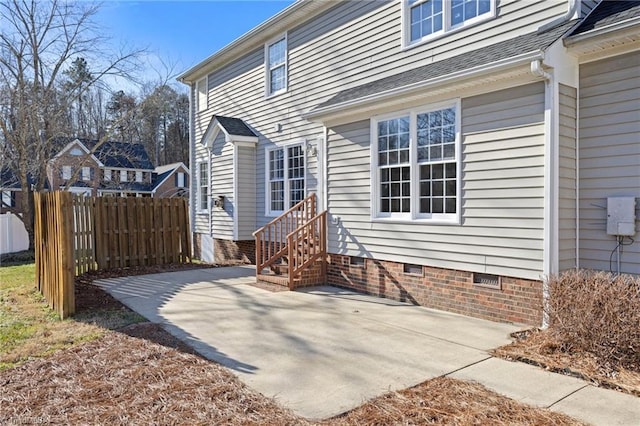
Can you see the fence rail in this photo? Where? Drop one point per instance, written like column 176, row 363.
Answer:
column 75, row 234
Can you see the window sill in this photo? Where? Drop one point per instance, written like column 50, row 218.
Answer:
column 418, row 221
column 275, row 94
column 408, row 45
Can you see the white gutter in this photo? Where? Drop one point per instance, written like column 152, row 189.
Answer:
column 491, row 68
column 629, row 24
column 293, row 15
column 571, row 12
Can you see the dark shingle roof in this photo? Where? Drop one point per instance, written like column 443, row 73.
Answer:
column 120, row 154
column 234, row 126
column 158, row 178
column 608, row 13
column 503, row 50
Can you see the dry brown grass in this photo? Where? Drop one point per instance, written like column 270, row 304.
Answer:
column 594, row 331
column 137, row 376
column 597, row 313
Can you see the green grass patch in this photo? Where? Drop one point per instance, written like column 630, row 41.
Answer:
column 30, row 329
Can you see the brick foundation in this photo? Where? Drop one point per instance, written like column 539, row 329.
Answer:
column 226, row 251
column 518, row 300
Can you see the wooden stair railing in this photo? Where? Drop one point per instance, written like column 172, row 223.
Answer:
column 298, row 235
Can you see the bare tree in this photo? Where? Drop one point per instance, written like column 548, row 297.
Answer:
column 38, row 42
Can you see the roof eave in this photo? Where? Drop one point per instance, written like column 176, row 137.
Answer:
column 525, row 58
column 617, row 29
column 293, row 14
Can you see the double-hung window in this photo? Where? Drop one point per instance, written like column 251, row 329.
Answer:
column 66, row 172
column 201, row 94
column 416, row 165
column 203, row 186
column 285, row 178
column 86, row 173
column 276, row 66
column 427, row 19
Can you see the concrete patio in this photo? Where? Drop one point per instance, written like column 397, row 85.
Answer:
column 323, row 350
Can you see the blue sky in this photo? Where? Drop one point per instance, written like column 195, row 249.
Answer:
column 182, row 33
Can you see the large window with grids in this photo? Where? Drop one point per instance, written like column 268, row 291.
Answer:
column 427, row 19
column 415, row 166
column 285, row 178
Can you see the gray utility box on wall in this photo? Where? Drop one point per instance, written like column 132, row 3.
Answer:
column 621, row 216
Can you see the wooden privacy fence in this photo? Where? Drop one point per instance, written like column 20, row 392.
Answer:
column 76, row 234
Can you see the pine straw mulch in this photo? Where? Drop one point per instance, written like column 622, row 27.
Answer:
column 141, row 374
column 137, row 376
column 539, row 348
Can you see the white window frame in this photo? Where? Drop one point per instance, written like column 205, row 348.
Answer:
column 181, row 180
column 199, row 168
column 414, row 216
column 86, row 173
column 124, row 176
column 139, row 176
column 201, row 93
column 447, row 27
column 7, row 199
column 287, row 180
column 267, row 69
column 107, row 175
column 66, row 172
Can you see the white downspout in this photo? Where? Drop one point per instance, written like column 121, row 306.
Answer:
column 550, row 222
column 571, row 12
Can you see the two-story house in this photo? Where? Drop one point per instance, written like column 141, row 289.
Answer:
column 463, row 149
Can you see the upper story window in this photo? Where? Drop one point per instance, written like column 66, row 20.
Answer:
column 276, row 65
column 416, row 165
column 123, row 175
column 138, row 176
column 8, row 199
column 428, row 19
column 66, row 172
column 107, row 174
column 180, row 180
column 86, row 173
column 201, row 94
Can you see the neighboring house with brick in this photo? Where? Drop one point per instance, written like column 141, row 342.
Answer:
column 464, row 150
column 106, row 168
column 171, row 180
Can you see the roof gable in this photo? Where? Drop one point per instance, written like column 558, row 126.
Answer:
column 234, row 129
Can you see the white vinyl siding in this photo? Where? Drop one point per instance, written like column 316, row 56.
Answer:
column 246, row 192
column 222, row 185
column 609, row 152
column 567, row 179
column 502, row 195
column 351, row 44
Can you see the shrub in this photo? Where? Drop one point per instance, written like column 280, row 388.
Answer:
column 597, row 312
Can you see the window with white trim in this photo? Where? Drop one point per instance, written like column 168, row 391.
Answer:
column 416, row 164
column 285, row 178
column 66, row 172
column 138, row 176
column 8, row 199
column 86, row 173
column 428, row 19
column 180, row 181
column 201, row 94
column 123, row 176
column 107, row 175
column 203, row 186
column 276, row 66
